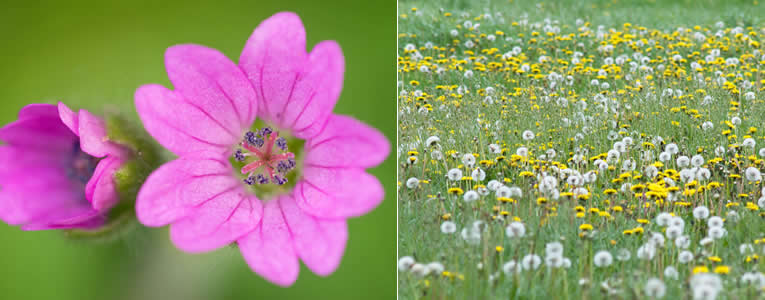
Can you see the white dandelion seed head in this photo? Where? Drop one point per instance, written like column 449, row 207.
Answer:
column 715, row 221
column 683, row 242
column 665, row 156
column 531, row 262
column 656, row 239
column 745, row 248
column 697, row 160
column 706, row 241
column 651, row 171
column 494, row 148
column 437, row 155
column 749, row 143
column 522, row 151
column 470, row 196
column 716, row 232
column 655, row 288
column 510, row 268
column 405, row 263
column 515, row 192
column 705, row 286
column 471, row 235
column 432, row 141
column 623, row 255
column 628, row 165
column 503, row 192
column 515, row 229
column 448, row 227
column 554, row 249
column 752, row 174
column 436, row 267
column 719, row 150
column 493, row 185
column 677, row 222
column 420, row 270
column 701, row 212
column 468, row 160
column 662, row 219
column 528, row 135
column 412, row 183
column 478, row 175
column 732, row 216
column 685, row 256
column 554, row 261
column 603, row 259
column 683, row 161
column 620, row 146
column 672, row 148
column 454, row 174
column 671, row 273
column 673, row 232
column 703, row 174
column 646, row 251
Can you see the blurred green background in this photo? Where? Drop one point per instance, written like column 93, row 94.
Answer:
column 94, row 54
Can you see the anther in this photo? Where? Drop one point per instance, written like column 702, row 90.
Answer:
column 281, row 143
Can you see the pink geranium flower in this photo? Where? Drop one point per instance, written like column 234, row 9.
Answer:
column 57, row 169
column 210, row 194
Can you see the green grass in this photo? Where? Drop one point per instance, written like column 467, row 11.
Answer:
column 453, row 107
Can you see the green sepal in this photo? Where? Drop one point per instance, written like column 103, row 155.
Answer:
column 144, row 157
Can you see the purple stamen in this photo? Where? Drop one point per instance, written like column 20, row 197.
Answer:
column 265, row 131
column 238, row 155
column 280, row 180
column 261, row 179
column 281, row 143
column 253, row 139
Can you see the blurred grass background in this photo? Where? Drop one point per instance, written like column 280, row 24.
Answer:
column 94, row 54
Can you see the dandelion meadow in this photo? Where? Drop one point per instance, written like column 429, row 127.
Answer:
column 608, row 150
column 185, row 150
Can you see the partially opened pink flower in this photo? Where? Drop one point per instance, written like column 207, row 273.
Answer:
column 281, row 186
column 57, row 169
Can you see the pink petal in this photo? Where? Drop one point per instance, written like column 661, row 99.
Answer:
column 268, row 249
column 38, row 109
column 296, row 91
column 337, row 193
column 101, row 190
column 172, row 191
column 16, row 160
column 25, row 197
column 320, row 244
column 68, row 217
column 93, row 138
column 179, row 126
column 346, row 142
column 208, row 80
column 43, row 133
column 218, row 221
column 69, row 118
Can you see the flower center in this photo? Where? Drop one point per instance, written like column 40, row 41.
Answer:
column 266, row 162
column 82, row 165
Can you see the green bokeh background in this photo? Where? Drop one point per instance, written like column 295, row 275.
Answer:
column 94, row 54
